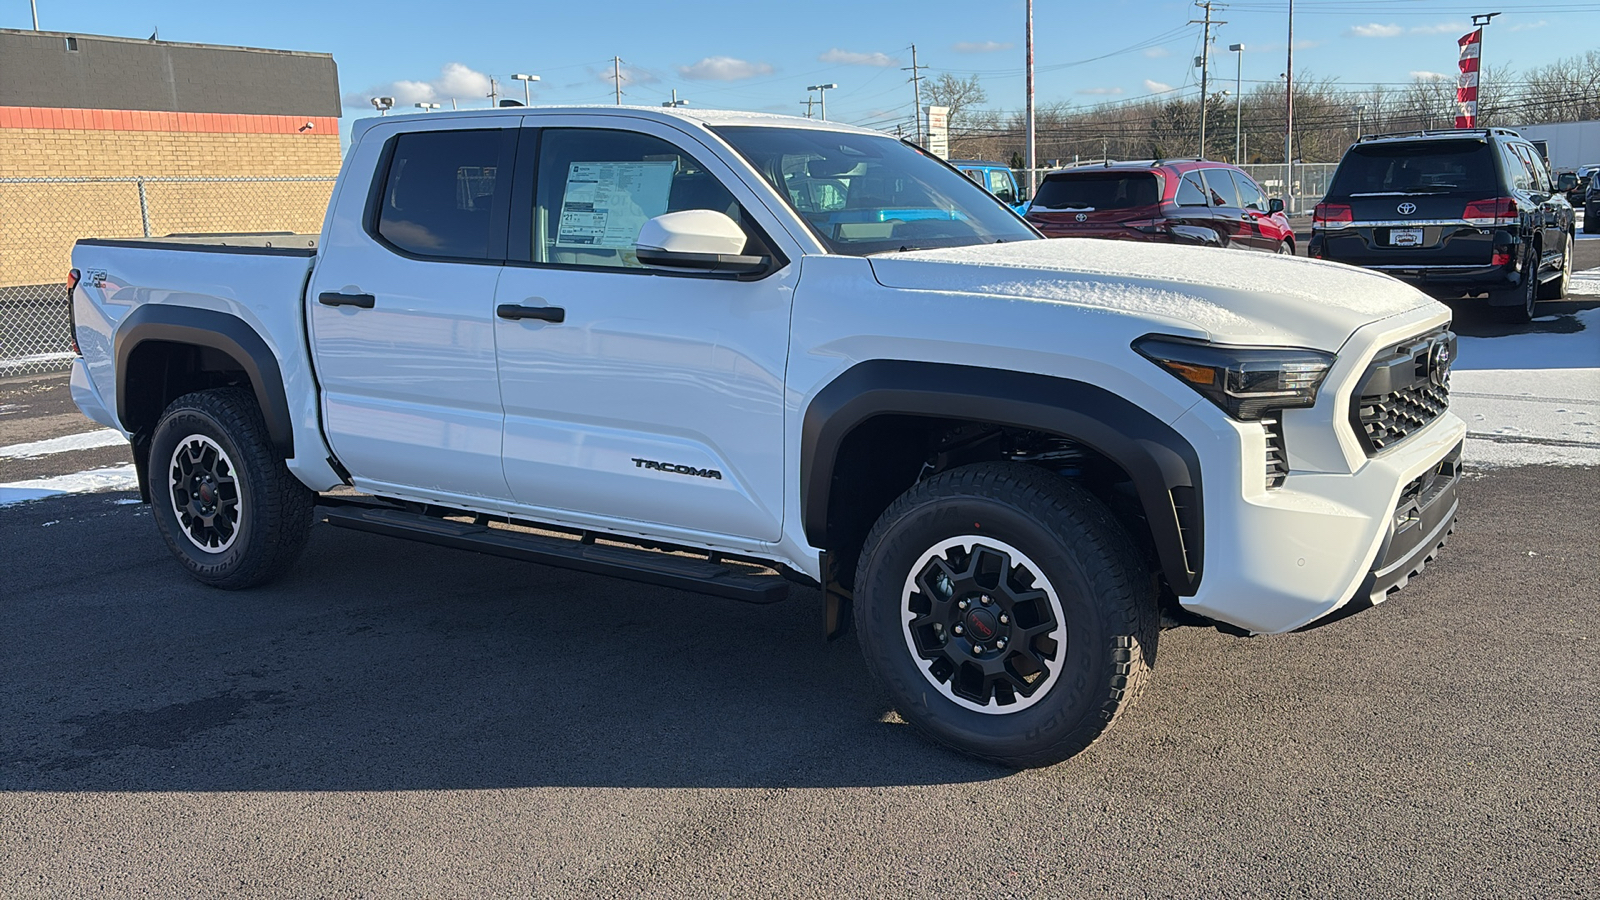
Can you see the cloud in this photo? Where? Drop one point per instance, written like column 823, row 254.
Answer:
column 1529, row 26
column 1157, row 53
column 455, row 82
column 1156, row 87
column 1102, row 91
column 724, row 68
column 981, row 46
column 847, row 58
column 1375, row 30
column 1430, row 76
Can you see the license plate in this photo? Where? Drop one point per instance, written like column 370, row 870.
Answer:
column 1405, row 237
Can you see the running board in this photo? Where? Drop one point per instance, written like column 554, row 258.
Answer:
column 648, row 566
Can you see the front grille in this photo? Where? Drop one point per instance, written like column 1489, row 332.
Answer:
column 1277, row 453
column 1405, row 388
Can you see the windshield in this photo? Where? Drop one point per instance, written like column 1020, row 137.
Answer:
column 1433, row 167
column 1090, row 191
column 865, row 194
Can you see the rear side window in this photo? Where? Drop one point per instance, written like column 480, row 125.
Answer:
column 1421, row 167
column 440, row 193
column 1098, row 190
column 1190, row 193
column 1220, row 183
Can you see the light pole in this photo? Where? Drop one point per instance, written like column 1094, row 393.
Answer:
column 35, row 5
column 822, row 90
column 1238, row 100
column 1359, row 110
column 674, row 102
column 527, row 99
column 383, row 105
column 426, row 107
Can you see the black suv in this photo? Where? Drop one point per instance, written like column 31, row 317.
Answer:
column 1460, row 213
column 1591, row 203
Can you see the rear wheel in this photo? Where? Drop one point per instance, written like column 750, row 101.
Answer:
column 1006, row 613
column 221, row 496
column 1526, row 293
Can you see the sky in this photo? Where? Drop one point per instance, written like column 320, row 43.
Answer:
column 763, row 56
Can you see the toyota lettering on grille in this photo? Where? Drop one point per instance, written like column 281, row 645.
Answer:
column 1406, row 209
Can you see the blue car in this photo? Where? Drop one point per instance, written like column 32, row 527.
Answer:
column 996, row 178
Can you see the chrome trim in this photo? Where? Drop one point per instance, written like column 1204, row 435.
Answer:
column 1409, row 223
column 1417, row 268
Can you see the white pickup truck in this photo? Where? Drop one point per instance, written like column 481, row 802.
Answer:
column 726, row 352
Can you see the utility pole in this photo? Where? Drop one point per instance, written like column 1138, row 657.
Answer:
column 916, row 88
column 810, row 102
column 1288, row 134
column 616, row 76
column 1205, row 66
column 1238, row 102
column 494, row 92
column 1031, row 161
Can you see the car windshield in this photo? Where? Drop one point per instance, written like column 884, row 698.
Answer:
column 1097, row 190
column 1431, row 167
column 864, row 194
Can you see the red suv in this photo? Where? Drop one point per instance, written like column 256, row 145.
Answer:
column 1171, row 201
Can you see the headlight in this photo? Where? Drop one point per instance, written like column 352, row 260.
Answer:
column 1244, row 381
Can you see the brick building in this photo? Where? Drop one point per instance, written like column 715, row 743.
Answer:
column 116, row 137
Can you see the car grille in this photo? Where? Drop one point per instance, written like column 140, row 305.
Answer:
column 1405, row 388
column 1277, row 452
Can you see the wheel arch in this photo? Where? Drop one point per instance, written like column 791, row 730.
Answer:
column 163, row 352
column 1163, row 467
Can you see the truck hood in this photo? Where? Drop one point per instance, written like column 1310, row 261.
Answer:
column 1228, row 296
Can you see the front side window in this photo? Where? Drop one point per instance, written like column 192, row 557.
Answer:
column 1000, row 186
column 863, row 194
column 440, row 192
column 597, row 188
column 1249, row 195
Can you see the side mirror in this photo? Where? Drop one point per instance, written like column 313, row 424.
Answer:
column 696, row 240
column 1566, row 182
column 1275, row 205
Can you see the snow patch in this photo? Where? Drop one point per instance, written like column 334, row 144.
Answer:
column 1526, row 417
column 1535, row 350
column 113, row 478
column 1121, row 296
column 88, row 440
column 1585, row 283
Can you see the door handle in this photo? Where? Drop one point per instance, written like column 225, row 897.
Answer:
column 334, row 298
column 515, row 311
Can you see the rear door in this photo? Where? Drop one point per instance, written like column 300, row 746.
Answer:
column 1260, row 231
column 401, row 308
column 1226, row 214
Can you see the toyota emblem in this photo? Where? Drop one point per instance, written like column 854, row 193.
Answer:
column 1439, row 363
column 1082, row 217
column 1406, row 209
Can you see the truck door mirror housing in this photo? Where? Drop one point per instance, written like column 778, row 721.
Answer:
column 1566, row 182
column 697, row 240
column 1275, row 205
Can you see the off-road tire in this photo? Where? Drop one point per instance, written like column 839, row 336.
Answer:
column 1107, row 598
column 1557, row 288
column 275, row 509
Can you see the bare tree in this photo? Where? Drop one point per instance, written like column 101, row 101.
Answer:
column 959, row 94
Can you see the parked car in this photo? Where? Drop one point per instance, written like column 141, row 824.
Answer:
column 1165, row 201
column 996, row 178
column 725, row 353
column 1458, row 213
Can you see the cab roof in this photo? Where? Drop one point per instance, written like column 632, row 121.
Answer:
column 705, row 118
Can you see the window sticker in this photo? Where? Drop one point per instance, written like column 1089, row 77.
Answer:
column 606, row 203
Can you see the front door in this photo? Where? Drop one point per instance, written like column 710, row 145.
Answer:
column 401, row 311
column 651, row 397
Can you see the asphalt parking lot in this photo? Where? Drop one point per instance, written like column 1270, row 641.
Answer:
column 399, row 719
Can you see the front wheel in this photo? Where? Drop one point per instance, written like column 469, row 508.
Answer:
column 221, row 496
column 1285, row 248
column 1006, row 613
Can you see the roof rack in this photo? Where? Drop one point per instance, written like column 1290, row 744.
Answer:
column 1439, row 132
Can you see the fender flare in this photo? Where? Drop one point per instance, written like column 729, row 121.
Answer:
column 223, row 332
column 1163, row 465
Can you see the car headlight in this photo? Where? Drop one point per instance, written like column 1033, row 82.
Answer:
column 1244, row 382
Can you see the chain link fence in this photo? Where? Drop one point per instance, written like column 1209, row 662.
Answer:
column 41, row 218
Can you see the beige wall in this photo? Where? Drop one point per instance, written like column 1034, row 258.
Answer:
column 40, row 222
